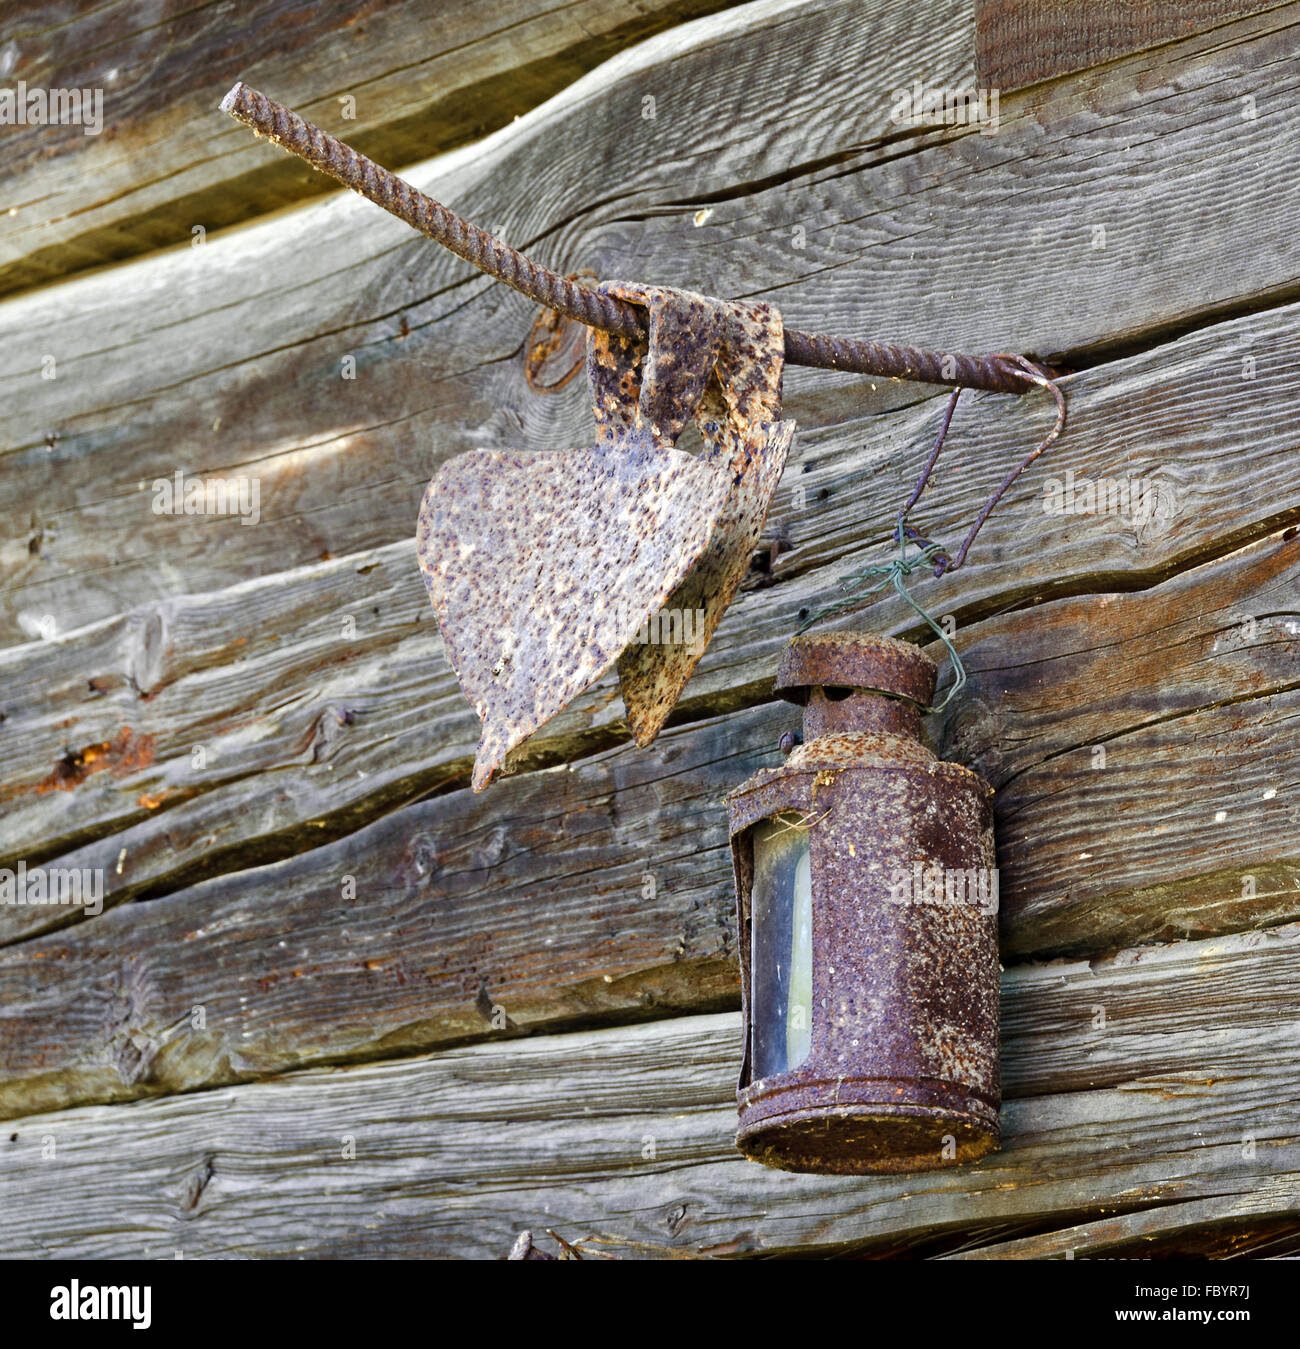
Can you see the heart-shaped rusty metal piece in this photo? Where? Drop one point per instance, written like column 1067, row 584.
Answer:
column 545, row 567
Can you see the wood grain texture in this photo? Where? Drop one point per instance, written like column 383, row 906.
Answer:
column 228, row 358
column 601, row 890
column 421, row 76
column 1187, row 1094
column 1177, row 815
column 1020, row 42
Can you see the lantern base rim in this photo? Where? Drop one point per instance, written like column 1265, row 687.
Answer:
column 870, row 1139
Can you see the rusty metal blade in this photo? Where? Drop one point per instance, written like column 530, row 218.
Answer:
column 542, row 566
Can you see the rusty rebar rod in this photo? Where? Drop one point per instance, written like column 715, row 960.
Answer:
column 572, row 298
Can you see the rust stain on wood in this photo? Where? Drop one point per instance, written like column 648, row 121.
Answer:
column 125, row 754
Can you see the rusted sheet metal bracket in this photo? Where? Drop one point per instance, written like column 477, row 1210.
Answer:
column 543, row 567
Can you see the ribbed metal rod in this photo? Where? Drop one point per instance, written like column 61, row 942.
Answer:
column 574, row 299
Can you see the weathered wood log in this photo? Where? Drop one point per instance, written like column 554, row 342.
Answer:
column 189, row 361
column 405, row 78
column 1164, row 1078
column 1174, row 816
column 267, row 392
column 602, row 890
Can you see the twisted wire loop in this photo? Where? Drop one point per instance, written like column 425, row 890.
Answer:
column 916, row 551
column 573, row 299
column 895, row 573
column 1043, row 380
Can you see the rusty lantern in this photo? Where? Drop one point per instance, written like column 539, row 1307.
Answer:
column 866, row 893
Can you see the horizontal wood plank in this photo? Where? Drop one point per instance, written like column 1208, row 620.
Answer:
column 1222, row 1227
column 401, row 79
column 1187, row 1093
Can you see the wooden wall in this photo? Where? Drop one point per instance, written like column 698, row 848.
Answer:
column 338, row 1004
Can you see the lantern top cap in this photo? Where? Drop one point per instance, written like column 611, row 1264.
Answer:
column 855, row 660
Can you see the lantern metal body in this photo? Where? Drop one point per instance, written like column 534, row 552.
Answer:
column 866, row 891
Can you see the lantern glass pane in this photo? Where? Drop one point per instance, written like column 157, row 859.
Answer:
column 780, row 970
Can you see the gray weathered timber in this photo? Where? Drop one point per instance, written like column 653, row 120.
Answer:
column 1174, row 817
column 322, row 698
column 228, row 358
column 1187, row 1093
column 422, row 76
column 576, row 896
column 230, row 355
